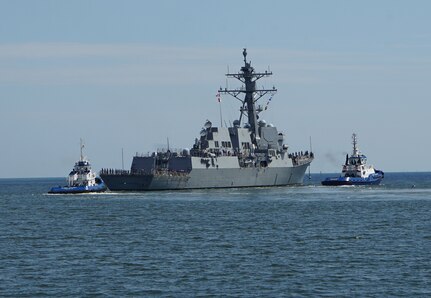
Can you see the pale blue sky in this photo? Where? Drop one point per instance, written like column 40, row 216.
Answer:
column 129, row 74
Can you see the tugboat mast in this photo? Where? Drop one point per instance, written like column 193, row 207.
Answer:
column 81, row 146
column 355, row 145
column 248, row 77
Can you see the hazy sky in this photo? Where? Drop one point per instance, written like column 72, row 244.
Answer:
column 130, row 74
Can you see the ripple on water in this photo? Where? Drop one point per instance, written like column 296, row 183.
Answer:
column 283, row 241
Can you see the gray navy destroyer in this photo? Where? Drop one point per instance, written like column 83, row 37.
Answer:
column 250, row 153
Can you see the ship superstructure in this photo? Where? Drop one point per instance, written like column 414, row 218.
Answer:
column 249, row 153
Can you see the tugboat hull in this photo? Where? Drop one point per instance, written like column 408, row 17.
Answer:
column 341, row 182
column 78, row 189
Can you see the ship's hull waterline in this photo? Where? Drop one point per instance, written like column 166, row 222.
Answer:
column 207, row 178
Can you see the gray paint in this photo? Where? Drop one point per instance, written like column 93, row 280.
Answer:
column 248, row 156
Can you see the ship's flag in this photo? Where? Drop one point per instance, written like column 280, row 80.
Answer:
column 218, row 97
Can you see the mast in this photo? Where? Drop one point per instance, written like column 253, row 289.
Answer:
column 122, row 159
column 309, row 166
column 248, row 77
column 81, row 147
column 355, row 144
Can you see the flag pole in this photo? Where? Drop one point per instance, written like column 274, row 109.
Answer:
column 221, row 118
column 219, row 105
column 122, row 159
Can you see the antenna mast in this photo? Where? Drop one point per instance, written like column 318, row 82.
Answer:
column 81, row 147
column 122, row 159
column 355, row 145
column 248, row 77
column 309, row 166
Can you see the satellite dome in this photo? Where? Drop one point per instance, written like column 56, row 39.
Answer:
column 208, row 124
column 262, row 123
column 236, row 123
column 186, row 152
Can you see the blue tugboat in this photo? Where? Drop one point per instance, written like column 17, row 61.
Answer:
column 81, row 179
column 356, row 171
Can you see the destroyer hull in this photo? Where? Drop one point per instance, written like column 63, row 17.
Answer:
column 208, row 178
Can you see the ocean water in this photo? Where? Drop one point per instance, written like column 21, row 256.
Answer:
column 307, row 241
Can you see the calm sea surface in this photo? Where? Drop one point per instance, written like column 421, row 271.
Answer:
column 267, row 242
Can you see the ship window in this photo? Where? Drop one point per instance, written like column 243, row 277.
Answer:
column 245, row 145
column 226, row 144
column 216, row 144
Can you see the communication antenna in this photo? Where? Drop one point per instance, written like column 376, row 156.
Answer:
column 122, row 159
column 221, row 116
column 227, row 82
column 309, row 166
